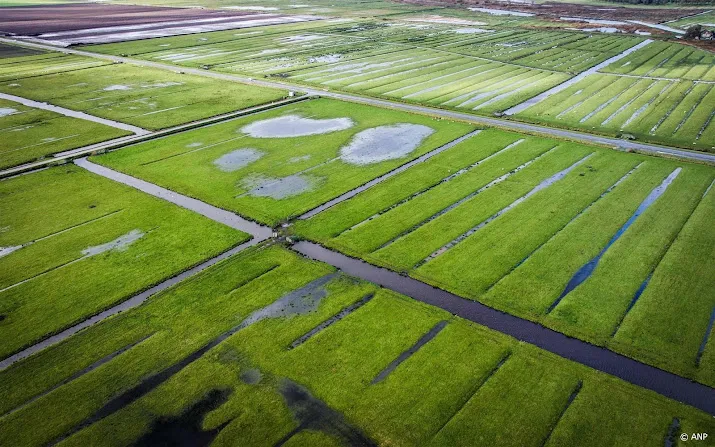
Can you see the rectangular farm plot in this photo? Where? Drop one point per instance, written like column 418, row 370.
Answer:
column 667, row 60
column 377, row 59
column 27, row 134
column 382, row 367
column 74, row 244
column 275, row 165
column 14, row 68
column 668, row 111
column 435, row 78
column 145, row 97
column 523, row 215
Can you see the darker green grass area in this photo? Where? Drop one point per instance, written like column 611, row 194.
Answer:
column 466, row 385
column 77, row 243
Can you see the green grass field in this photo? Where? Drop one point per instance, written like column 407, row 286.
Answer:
column 73, row 244
column 28, row 134
column 268, row 347
column 473, row 221
column 520, row 394
column 145, row 97
column 279, row 178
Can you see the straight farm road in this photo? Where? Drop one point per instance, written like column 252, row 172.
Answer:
column 651, row 149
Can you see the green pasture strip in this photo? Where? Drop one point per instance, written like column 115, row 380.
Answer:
column 701, row 116
column 597, row 306
column 371, row 235
column 683, row 284
column 444, row 76
column 494, row 250
column 407, row 251
column 185, row 318
column 62, row 64
column 432, row 398
column 28, row 134
column 333, row 221
column 52, row 281
column 520, row 402
column 548, row 109
column 532, row 286
column 186, row 162
column 146, row 97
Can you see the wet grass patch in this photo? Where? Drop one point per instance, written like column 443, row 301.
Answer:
column 294, row 173
column 146, row 97
column 252, row 389
column 50, row 281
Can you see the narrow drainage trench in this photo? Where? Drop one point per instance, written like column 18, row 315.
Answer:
column 632, row 371
column 583, row 273
column 386, row 176
column 297, row 302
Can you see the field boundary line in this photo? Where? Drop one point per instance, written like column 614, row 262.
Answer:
column 518, row 126
column 123, row 306
column 365, row 186
column 578, row 78
column 233, row 220
column 74, row 114
column 599, row 358
column 117, row 143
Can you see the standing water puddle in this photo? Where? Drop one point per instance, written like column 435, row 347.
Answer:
column 298, row 302
column 315, row 415
column 6, row 111
column 120, row 244
column 384, row 143
column 585, row 271
column 4, row 251
column 233, row 161
column 295, row 126
column 186, row 429
column 281, row 188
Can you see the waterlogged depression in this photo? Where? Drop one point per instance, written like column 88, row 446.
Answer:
column 280, row 188
column 120, row 244
column 295, row 126
column 240, row 158
column 384, row 143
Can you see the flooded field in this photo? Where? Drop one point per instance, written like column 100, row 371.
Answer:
column 310, row 152
column 501, row 216
column 145, row 97
column 296, row 394
column 76, row 259
column 292, row 224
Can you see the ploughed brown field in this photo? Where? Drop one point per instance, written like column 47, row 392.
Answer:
column 35, row 20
